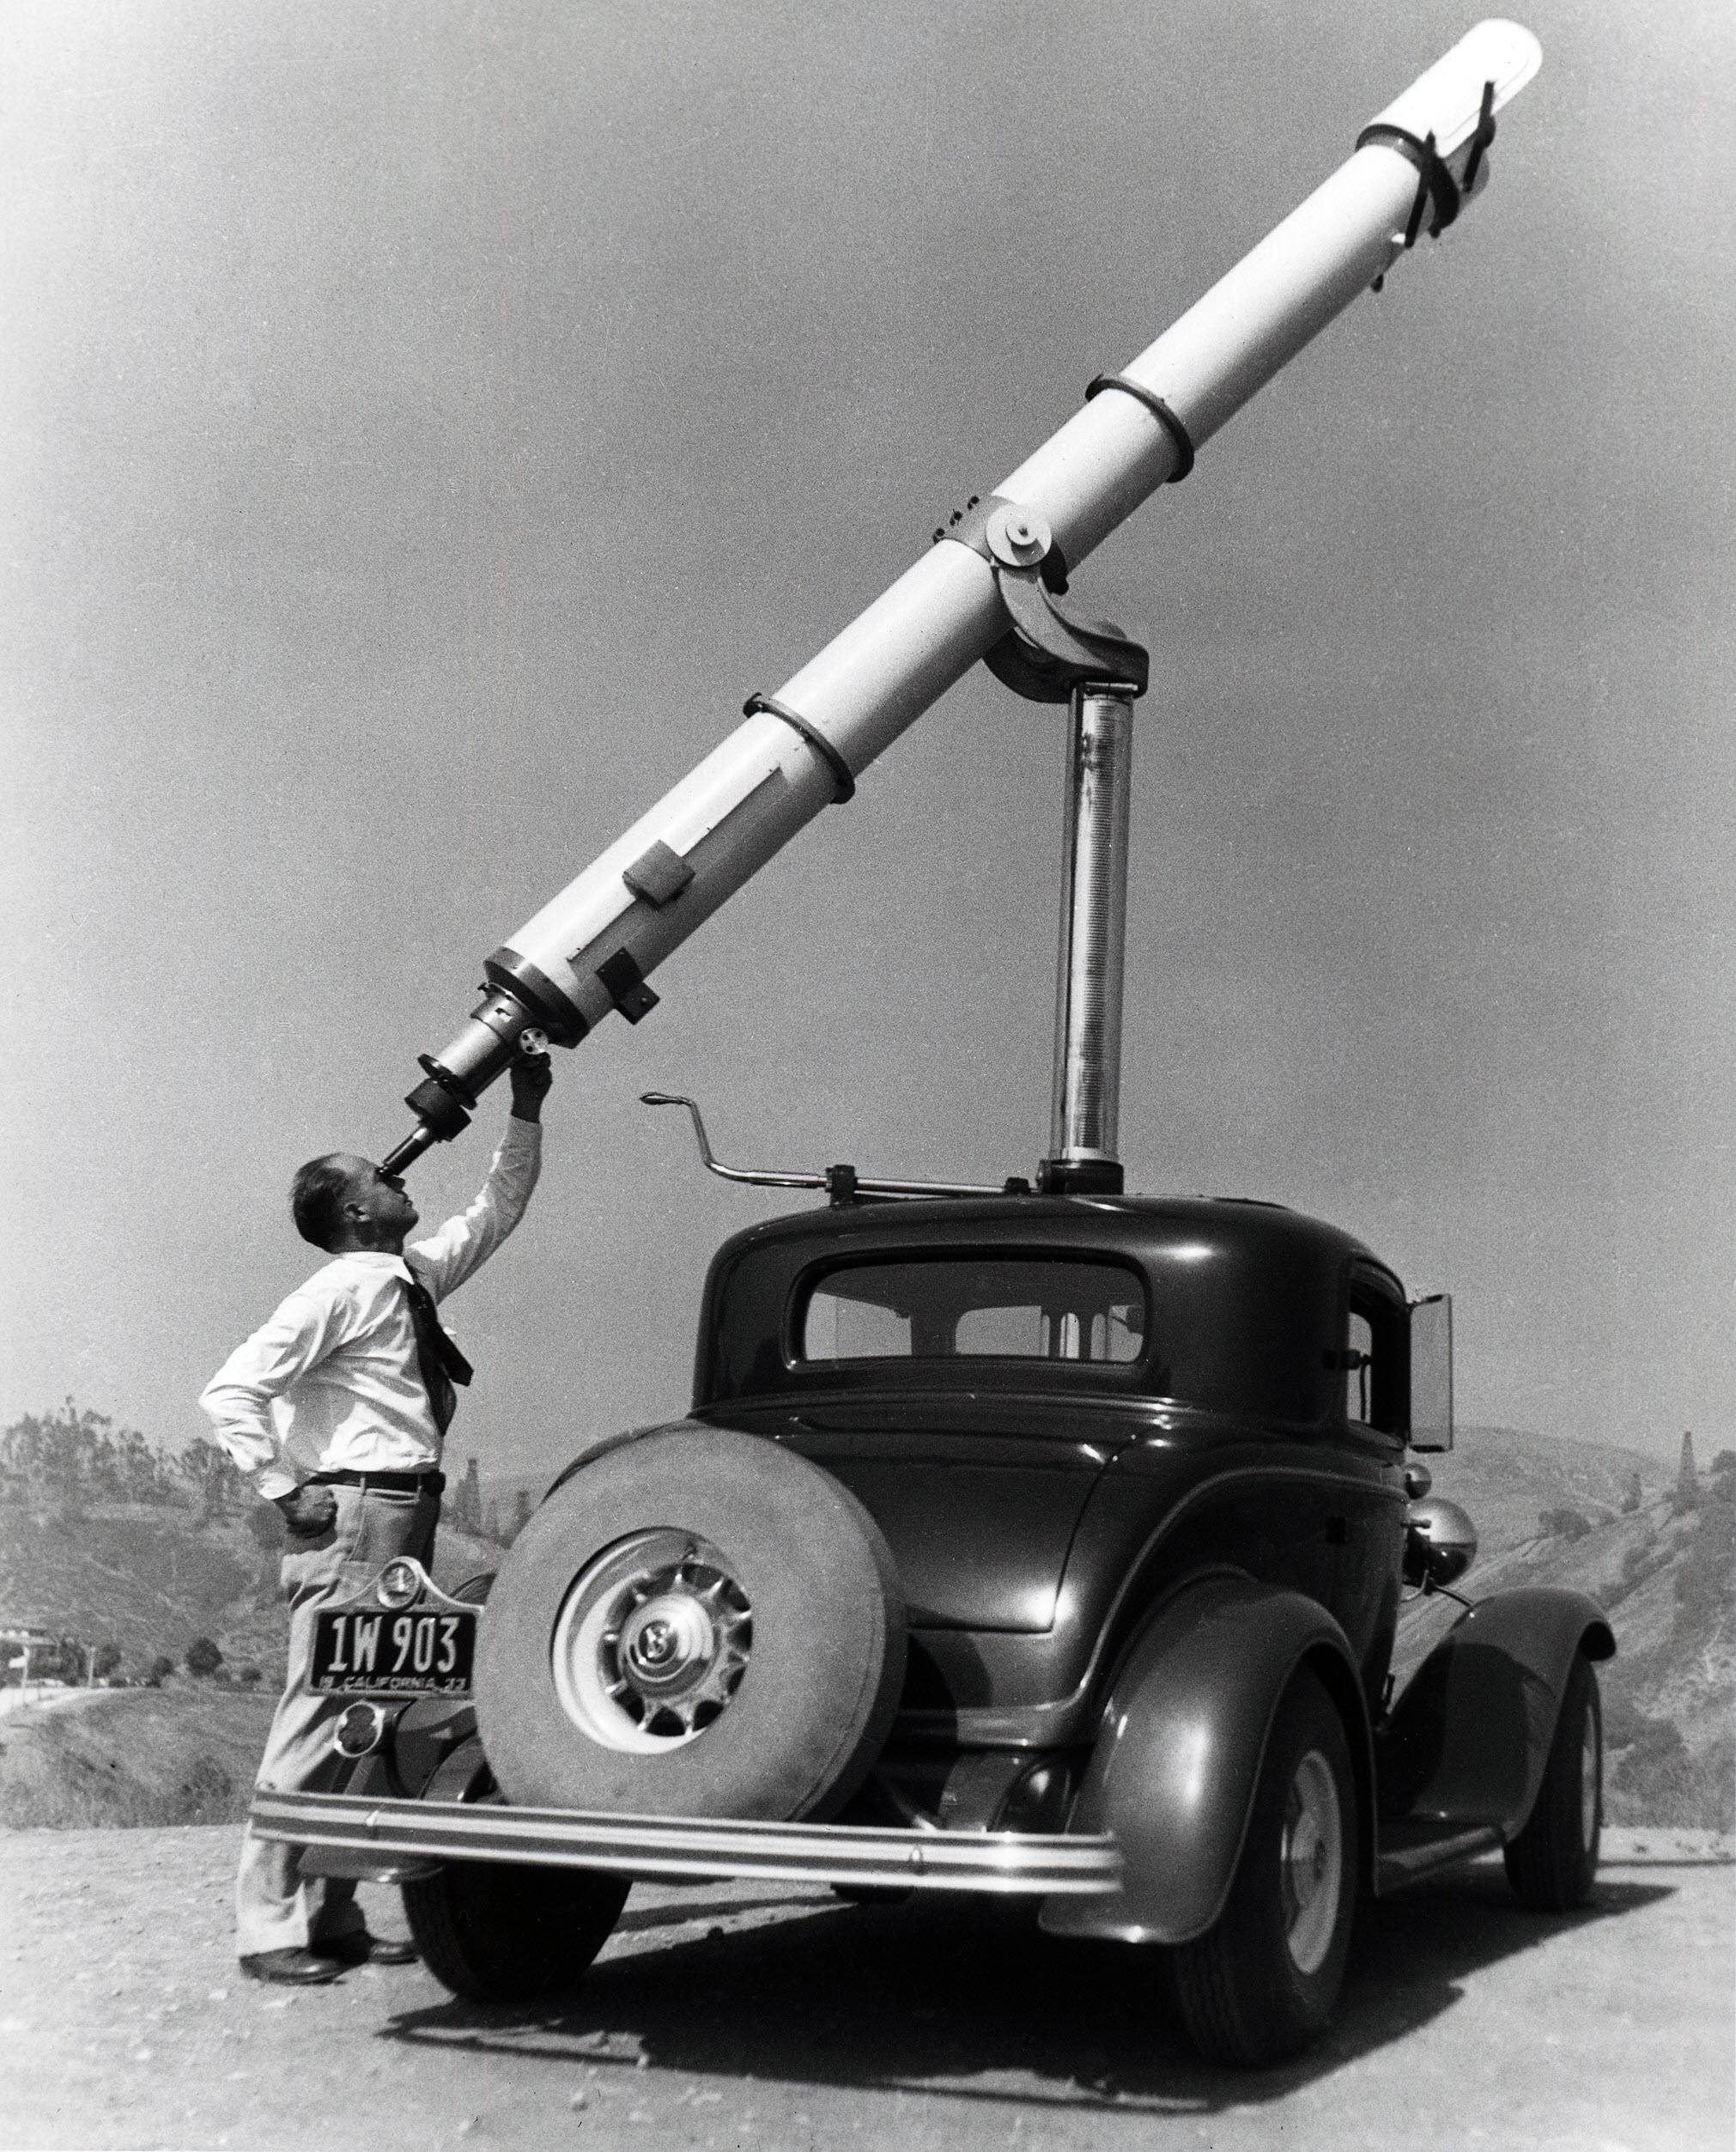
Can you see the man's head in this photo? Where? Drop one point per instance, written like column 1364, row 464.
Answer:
column 341, row 1202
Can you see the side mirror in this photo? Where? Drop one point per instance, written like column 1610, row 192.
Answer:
column 1431, row 1373
column 1439, row 1543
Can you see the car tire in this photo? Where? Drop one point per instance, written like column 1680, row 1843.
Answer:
column 1553, row 1862
column 696, row 1622
column 1262, row 1983
column 494, row 1931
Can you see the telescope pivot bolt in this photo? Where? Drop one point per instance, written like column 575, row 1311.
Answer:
column 1018, row 537
column 533, row 1039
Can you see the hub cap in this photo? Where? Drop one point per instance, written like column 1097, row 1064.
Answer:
column 652, row 1642
column 1312, row 1863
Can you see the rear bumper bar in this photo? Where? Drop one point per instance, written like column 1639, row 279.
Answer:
column 657, row 1846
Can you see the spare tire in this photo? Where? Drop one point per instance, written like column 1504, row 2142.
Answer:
column 695, row 1623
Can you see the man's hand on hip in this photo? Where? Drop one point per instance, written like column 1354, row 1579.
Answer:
column 307, row 1510
column 532, row 1078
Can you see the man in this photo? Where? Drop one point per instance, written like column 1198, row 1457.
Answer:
column 338, row 1410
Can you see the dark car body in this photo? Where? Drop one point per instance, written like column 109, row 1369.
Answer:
column 1138, row 1462
column 1038, row 1508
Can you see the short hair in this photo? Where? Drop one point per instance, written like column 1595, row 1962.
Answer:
column 316, row 1199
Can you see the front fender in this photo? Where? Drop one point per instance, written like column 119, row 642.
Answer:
column 1467, row 1741
column 1179, row 1747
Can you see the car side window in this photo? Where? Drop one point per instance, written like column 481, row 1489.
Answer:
column 1376, row 1359
column 1358, row 1365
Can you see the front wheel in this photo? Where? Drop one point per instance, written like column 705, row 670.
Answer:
column 1553, row 1862
column 493, row 1931
column 1262, row 1983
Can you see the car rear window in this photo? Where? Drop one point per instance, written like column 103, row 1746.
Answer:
column 939, row 1308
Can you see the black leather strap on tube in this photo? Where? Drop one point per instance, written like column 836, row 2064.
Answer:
column 843, row 779
column 1434, row 182
column 1160, row 410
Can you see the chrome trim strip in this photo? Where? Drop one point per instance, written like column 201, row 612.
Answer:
column 658, row 1845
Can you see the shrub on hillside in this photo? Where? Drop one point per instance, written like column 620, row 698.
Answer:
column 1654, row 1778
column 1643, row 1561
column 1703, row 1582
column 161, row 1668
column 202, row 1657
column 1566, row 1524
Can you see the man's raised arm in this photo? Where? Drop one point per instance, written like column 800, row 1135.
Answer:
column 448, row 1256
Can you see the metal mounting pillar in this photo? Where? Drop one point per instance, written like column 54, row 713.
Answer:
column 1050, row 655
column 1085, row 1102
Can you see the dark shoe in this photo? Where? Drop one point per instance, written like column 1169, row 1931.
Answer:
column 362, row 1948
column 290, row 1969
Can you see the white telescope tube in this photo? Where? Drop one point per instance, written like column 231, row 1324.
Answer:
column 591, row 948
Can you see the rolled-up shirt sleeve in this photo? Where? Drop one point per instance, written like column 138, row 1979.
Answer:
column 448, row 1256
column 238, row 1399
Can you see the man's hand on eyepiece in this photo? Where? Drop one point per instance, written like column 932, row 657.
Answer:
column 307, row 1510
column 532, row 1076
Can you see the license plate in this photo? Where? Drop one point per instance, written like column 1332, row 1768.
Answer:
column 413, row 1654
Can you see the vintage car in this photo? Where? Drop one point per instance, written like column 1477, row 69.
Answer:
column 1039, row 1544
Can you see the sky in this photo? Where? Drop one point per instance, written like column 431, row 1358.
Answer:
column 421, row 425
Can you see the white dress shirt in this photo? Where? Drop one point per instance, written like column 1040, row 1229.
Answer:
column 331, row 1384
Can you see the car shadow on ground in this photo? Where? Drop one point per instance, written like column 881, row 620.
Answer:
column 967, row 1999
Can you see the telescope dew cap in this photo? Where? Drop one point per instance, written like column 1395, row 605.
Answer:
column 1447, row 100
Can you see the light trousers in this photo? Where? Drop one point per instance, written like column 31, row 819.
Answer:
column 276, row 1907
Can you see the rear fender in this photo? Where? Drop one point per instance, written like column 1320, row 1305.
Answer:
column 1468, row 1740
column 1179, row 1748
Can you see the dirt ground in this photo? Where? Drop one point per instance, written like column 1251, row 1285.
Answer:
column 724, row 2018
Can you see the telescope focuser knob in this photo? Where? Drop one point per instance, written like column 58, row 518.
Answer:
column 1018, row 537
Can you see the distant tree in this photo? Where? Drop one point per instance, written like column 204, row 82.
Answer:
column 467, row 1503
column 216, row 1486
column 161, row 1669
column 265, row 1526
column 104, row 1662
column 1721, row 1471
column 1568, row 1524
column 1634, row 1496
column 522, row 1514
column 57, row 1462
column 202, row 1657
column 492, row 1525
column 1687, row 1479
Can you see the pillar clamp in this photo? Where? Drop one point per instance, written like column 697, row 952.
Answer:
column 1046, row 652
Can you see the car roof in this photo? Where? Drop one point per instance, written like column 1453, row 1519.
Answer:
column 1133, row 1226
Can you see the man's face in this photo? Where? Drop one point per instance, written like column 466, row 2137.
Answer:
column 376, row 1199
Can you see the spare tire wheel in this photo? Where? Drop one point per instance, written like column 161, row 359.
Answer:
column 696, row 1622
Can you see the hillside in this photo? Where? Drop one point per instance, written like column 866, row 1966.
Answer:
column 1507, row 1478
column 1663, row 1573
column 151, row 1577
column 184, row 1753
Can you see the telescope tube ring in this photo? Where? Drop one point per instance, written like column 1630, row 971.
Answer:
column 843, row 777
column 1160, row 410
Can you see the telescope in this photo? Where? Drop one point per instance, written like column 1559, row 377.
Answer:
column 988, row 588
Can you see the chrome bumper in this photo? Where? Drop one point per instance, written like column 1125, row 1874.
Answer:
column 393, row 1833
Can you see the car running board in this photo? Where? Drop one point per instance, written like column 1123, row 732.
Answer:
column 1408, row 1851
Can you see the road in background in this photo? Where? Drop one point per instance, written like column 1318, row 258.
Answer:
column 724, row 2018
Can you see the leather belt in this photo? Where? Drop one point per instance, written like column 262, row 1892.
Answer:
column 393, row 1482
